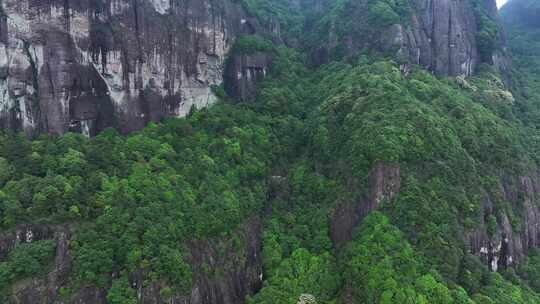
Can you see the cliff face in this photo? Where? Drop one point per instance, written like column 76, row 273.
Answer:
column 220, row 273
column 508, row 243
column 503, row 245
column 243, row 72
column 39, row 290
column 384, row 185
column 444, row 36
column 85, row 65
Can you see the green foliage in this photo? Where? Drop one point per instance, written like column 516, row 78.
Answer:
column 382, row 267
column 381, row 14
column 425, row 214
column 166, row 293
column 277, row 11
column 139, row 202
column 529, row 270
column 301, row 273
column 521, row 23
column 121, row 292
column 473, row 274
column 499, row 291
column 201, row 186
column 491, row 225
column 251, row 44
column 142, row 197
column 488, row 36
column 307, row 143
column 26, row 260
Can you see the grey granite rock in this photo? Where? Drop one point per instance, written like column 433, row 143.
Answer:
column 85, row 65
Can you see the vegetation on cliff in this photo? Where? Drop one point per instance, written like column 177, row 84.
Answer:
column 307, row 143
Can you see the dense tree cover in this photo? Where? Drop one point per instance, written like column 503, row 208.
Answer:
column 489, row 36
column 328, row 29
column 137, row 199
column 278, row 14
column 382, row 267
column 520, row 18
column 301, row 273
column 439, row 130
column 529, row 270
column 250, row 44
column 521, row 22
column 307, row 142
column 26, row 260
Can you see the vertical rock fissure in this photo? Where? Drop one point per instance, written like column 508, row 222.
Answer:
column 450, row 43
column 432, row 38
column 214, row 39
column 67, row 17
column 35, row 109
column 137, row 28
column 3, row 24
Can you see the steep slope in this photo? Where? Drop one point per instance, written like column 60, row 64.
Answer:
column 522, row 14
column 86, row 65
column 521, row 22
column 365, row 180
column 263, row 199
column 446, row 37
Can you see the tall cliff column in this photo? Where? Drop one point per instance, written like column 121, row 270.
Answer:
column 447, row 37
column 84, row 65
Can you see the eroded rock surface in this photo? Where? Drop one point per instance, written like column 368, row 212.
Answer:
column 85, row 65
column 439, row 35
column 225, row 271
column 39, row 289
column 511, row 240
column 514, row 232
column 384, row 185
column 242, row 74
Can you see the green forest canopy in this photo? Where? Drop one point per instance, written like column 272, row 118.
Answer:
column 136, row 201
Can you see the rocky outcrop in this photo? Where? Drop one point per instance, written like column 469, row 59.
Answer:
column 86, row 65
column 242, row 74
column 224, row 271
column 24, row 234
column 508, row 224
column 384, row 185
column 440, row 35
column 516, row 230
column 39, row 289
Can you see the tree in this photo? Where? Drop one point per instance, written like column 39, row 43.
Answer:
column 121, row 292
column 302, row 273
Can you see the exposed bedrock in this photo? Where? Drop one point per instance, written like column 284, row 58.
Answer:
column 517, row 230
column 84, row 65
column 243, row 72
column 384, row 184
column 514, row 232
column 235, row 263
column 439, row 35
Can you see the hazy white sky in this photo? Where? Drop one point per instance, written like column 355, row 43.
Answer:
column 501, row 2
